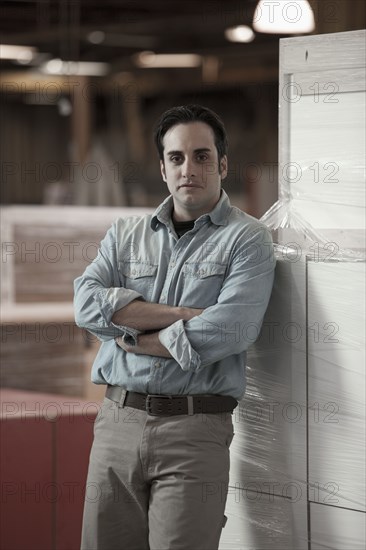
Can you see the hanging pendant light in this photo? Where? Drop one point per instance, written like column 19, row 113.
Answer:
column 283, row 17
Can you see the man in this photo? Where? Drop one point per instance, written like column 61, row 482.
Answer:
column 175, row 297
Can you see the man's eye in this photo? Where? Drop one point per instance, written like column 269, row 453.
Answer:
column 175, row 158
column 202, row 157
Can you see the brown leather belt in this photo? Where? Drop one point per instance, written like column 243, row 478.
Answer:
column 169, row 405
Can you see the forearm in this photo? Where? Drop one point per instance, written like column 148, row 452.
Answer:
column 225, row 328
column 142, row 315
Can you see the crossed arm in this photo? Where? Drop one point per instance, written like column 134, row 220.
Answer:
column 147, row 316
column 193, row 337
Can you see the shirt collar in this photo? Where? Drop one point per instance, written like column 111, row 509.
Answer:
column 218, row 215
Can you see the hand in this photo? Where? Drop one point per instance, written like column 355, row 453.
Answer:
column 127, row 347
column 147, row 344
column 189, row 312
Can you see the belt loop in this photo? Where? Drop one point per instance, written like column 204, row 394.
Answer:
column 122, row 399
column 190, row 404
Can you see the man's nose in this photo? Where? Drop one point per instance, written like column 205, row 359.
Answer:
column 188, row 168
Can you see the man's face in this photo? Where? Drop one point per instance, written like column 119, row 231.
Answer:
column 191, row 169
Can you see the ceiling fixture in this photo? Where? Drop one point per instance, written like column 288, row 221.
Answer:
column 151, row 60
column 96, row 37
column 21, row 54
column 78, row 68
column 64, row 106
column 241, row 33
column 283, row 17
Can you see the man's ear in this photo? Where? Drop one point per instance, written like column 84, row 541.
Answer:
column 223, row 167
column 162, row 170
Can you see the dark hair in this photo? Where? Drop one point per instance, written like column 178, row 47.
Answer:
column 191, row 113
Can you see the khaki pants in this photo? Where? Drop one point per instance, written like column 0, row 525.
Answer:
column 157, row 483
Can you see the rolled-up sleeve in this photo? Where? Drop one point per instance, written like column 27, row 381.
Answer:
column 97, row 295
column 232, row 324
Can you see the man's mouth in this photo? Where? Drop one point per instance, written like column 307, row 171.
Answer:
column 189, row 185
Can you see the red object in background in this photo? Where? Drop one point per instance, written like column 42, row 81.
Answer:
column 45, row 442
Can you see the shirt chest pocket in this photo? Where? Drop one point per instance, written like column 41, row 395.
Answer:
column 138, row 276
column 204, row 279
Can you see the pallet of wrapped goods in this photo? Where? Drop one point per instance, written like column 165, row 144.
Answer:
column 45, row 248
column 313, row 369
column 268, row 452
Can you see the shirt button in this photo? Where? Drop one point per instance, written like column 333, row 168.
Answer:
column 157, row 364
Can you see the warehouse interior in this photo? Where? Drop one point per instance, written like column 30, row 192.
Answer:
column 82, row 84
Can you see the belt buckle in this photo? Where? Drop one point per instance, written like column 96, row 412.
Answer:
column 148, row 402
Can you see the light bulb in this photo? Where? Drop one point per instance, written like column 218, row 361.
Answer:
column 241, row 33
column 283, row 17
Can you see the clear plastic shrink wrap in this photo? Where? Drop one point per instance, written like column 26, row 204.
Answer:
column 298, row 456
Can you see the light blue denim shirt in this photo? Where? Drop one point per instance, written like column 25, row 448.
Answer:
column 225, row 264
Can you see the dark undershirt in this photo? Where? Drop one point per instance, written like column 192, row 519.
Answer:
column 183, row 227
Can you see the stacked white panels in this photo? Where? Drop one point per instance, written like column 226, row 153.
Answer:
column 322, row 166
column 320, row 216
column 336, row 404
